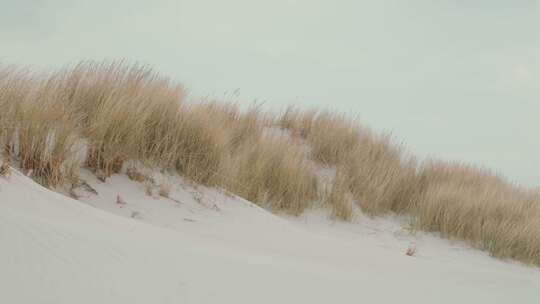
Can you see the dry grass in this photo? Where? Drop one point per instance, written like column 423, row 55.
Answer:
column 48, row 136
column 297, row 121
column 127, row 112
column 148, row 188
column 14, row 87
column 164, row 188
column 274, row 173
column 456, row 200
column 333, row 137
column 5, row 169
column 45, row 131
column 202, row 145
column 476, row 205
column 339, row 197
column 137, row 175
column 380, row 176
column 119, row 112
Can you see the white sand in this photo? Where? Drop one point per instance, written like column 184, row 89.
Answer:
column 207, row 247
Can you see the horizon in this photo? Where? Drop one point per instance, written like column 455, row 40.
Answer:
column 455, row 81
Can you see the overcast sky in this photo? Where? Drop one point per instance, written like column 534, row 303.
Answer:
column 454, row 79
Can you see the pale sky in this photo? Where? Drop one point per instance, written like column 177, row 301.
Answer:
column 453, row 79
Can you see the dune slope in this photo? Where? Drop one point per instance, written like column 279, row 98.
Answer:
column 202, row 246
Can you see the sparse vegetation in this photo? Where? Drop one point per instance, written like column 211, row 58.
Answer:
column 103, row 115
column 164, row 188
column 136, row 175
column 5, row 169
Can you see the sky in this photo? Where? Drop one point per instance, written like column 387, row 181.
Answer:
column 451, row 79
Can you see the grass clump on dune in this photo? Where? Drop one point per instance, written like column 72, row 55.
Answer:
column 379, row 175
column 464, row 202
column 126, row 112
column 14, row 88
column 202, row 146
column 274, row 173
column 339, row 197
column 48, row 135
column 457, row 200
column 44, row 130
column 119, row 112
column 101, row 114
